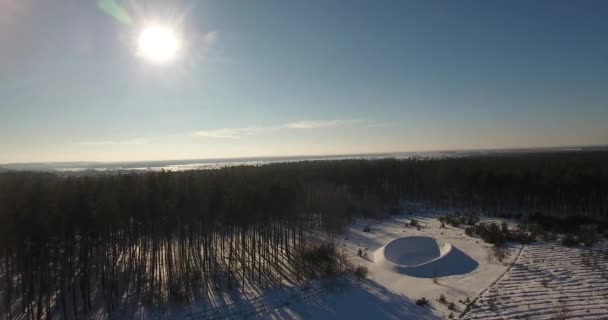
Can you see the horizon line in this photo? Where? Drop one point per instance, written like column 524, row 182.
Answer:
column 315, row 155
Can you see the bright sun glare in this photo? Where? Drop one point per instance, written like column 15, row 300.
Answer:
column 158, row 43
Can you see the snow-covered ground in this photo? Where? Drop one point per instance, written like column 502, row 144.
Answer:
column 529, row 284
column 534, row 282
column 547, row 279
column 387, row 294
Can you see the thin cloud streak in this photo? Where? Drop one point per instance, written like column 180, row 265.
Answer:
column 120, row 142
column 227, row 133
column 306, row 124
column 237, row 133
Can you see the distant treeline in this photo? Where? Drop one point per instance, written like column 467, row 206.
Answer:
column 67, row 242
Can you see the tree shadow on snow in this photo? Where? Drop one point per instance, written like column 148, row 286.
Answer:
column 365, row 301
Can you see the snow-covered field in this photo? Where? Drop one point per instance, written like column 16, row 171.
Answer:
column 529, row 284
column 536, row 281
column 387, row 294
column 548, row 279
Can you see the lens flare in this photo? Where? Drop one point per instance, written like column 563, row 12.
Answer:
column 113, row 9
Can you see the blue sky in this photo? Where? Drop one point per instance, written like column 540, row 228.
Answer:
column 265, row 78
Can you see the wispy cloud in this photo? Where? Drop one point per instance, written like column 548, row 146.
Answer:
column 118, row 142
column 237, row 133
column 226, row 133
column 307, row 124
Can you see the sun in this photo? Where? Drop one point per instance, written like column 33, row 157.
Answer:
column 158, row 44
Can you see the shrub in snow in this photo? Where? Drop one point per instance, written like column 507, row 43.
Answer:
column 561, row 311
column 442, row 298
column 413, row 223
column 523, row 234
column 491, row 233
column 469, row 231
column 467, row 308
column 472, row 220
column 588, row 238
column 569, row 241
column 367, row 229
column 455, row 220
column 455, row 223
column 549, row 236
column 451, row 306
column 422, row 302
column 504, row 227
column 361, row 272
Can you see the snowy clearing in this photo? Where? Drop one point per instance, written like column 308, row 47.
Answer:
column 458, row 274
column 387, row 294
column 529, row 284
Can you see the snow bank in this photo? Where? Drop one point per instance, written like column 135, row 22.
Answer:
column 424, row 257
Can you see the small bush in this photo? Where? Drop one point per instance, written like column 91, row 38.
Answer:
column 499, row 253
column 491, row 233
column 455, row 220
column 367, row 229
column 504, row 227
column 413, row 223
column 588, row 238
column 442, row 298
column 472, row 220
column 451, row 306
column 549, row 236
column 569, row 241
column 469, row 231
column 522, row 236
column 422, row 302
column 361, row 272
